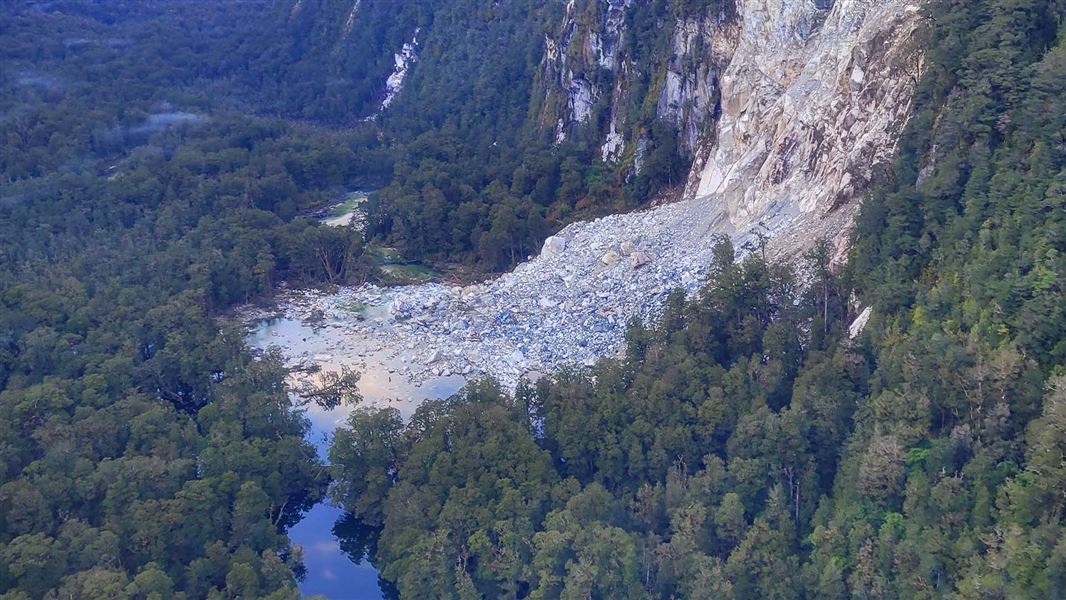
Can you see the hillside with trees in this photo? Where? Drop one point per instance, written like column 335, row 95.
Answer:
column 745, row 446
column 160, row 163
column 143, row 452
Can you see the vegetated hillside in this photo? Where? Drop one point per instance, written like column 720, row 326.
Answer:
column 321, row 60
column 481, row 178
column 745, row 446
column 143, row 453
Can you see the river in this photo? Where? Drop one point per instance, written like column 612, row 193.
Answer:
column 327, row 537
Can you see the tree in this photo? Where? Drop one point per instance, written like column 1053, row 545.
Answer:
column 881, row 470
column 367, row 456
column 729, row 520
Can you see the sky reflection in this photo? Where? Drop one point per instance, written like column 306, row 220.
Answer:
column 335, row 545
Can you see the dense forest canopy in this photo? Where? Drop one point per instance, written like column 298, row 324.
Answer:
column 159, row 163
column 478, row 181
column 143, row 453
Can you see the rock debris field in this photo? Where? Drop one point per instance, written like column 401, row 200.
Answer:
column 567, row 306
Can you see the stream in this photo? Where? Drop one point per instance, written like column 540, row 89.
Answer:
column 328, row 536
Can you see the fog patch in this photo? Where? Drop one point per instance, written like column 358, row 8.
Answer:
column 159, row 121
column 34, row 79
column 136, row 134
column 82, row 42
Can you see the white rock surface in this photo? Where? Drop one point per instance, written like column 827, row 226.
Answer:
column 859, row 323
column 403, row 59
column 554, row 245
column 811, row 101
column 350, row 21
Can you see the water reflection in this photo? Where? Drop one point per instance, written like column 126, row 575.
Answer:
column 337, row 547
column 359, row 542
column 329, row 569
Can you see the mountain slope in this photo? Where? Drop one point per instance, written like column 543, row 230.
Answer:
column 797, row 140
column 755, row 440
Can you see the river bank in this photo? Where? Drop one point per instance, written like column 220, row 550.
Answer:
column 332, row 570
column 569, row 306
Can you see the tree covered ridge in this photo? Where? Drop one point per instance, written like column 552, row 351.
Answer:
column 745, row 447
column 143, row 453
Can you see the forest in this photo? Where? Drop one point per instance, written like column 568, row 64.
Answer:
column 746, row 447
column 143, row 452
column 161, row 163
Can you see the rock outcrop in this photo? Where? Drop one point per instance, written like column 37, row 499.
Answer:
column 811, row 100
column 591, row 77
column 402, row 61
column 813, row 95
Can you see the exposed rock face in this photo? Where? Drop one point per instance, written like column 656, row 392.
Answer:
column 588, row 37
column 813, row 95
column 586, row 67
column 690, row 91
column 784, row 104
column 350, row 21
column 296, row 8
column 811, row 100
column 403, row 61
column 859, row 323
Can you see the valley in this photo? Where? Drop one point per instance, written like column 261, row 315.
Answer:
column 795, row 145
column 532, row 299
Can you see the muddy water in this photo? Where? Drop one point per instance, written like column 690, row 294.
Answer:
column 337, row 567
column 349, row 211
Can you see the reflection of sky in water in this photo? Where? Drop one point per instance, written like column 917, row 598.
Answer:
column 330, row 570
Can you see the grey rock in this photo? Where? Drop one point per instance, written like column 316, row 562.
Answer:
column 553, row 246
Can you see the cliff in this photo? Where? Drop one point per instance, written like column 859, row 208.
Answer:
column 812, row 97
column 784, row 107
column 616, row 66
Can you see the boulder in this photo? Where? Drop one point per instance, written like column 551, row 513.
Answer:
column 554, row 245
column 639, row 259
column 516, row 358
column 610, row 258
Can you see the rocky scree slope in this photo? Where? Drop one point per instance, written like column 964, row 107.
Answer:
column 813, row 96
